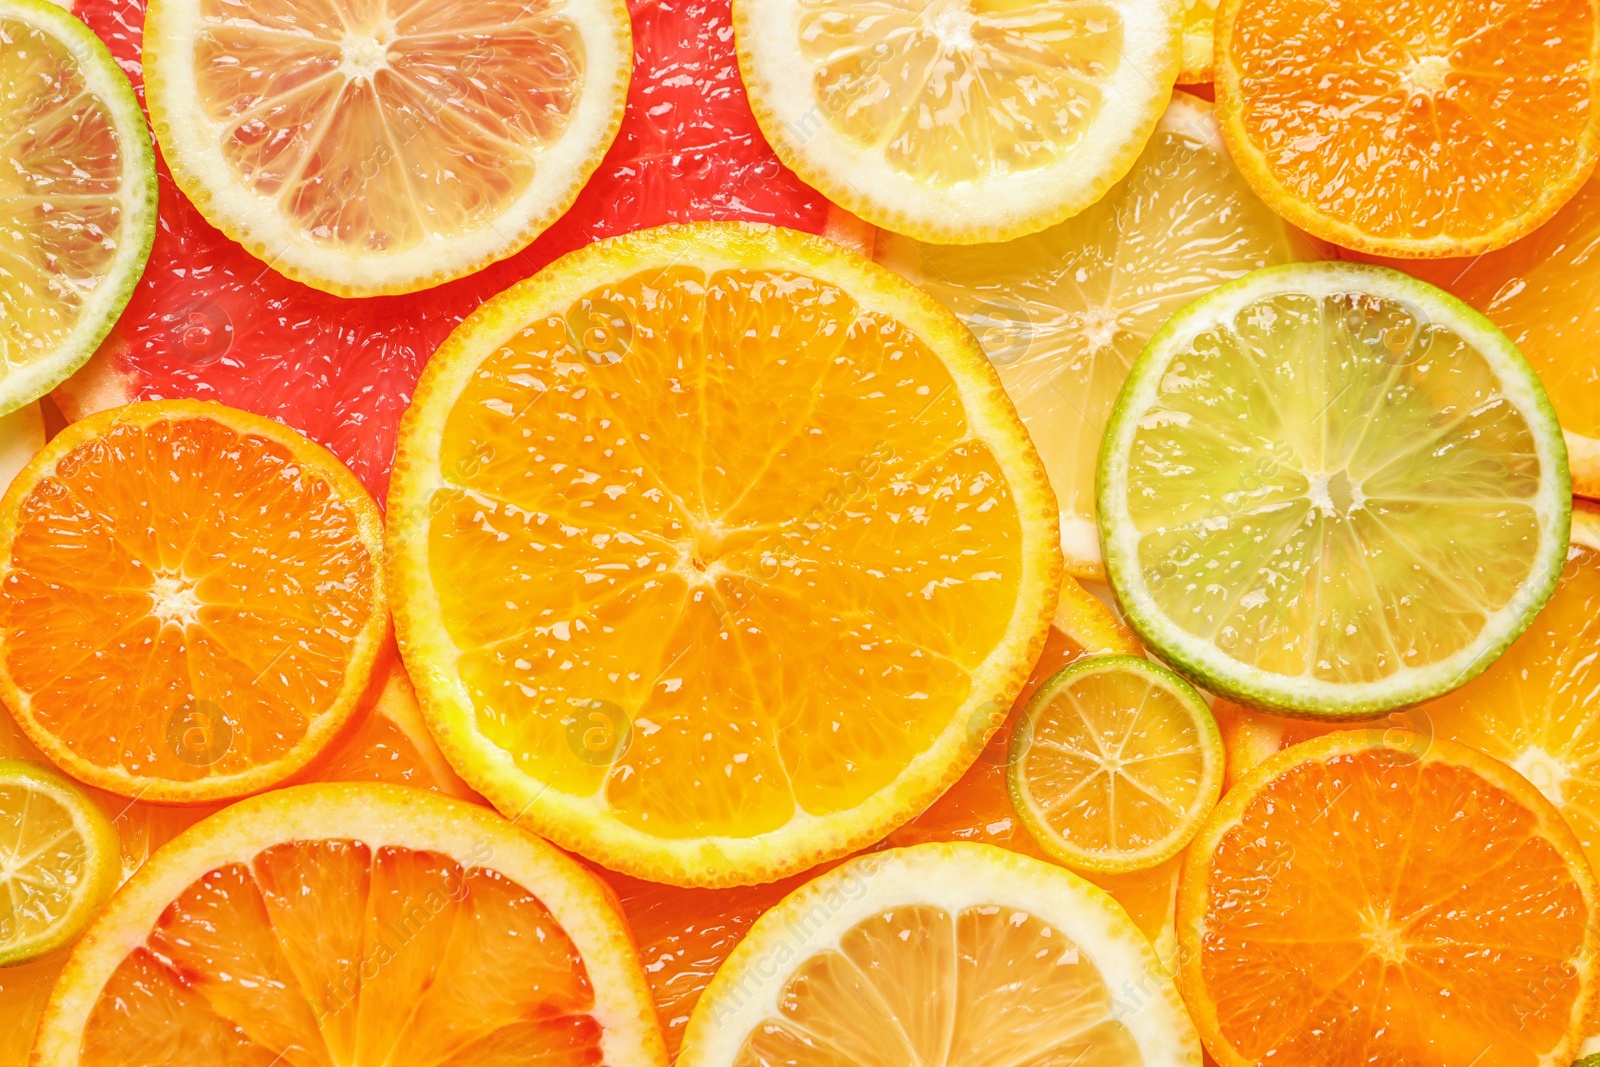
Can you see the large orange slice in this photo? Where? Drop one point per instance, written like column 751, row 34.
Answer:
column 190, row 600
column 1417, row 128
column 357, row 925
column 1350, row 902
column 711, row 544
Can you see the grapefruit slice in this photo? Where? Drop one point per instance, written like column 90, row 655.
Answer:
column 359, row 925
column 710, row 543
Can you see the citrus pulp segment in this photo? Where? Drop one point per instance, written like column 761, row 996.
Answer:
column 386, row 147
column 1199, row 27
column 1114, row 764
column 77, row 193
column 709, row 544
column 1349, row 902
column 191, row 601
column 941, row 953
column 1330, row 489
column 1420, row 128
column 1063, row 313
column 359, row 925
column 58, row 860
column 958, row 121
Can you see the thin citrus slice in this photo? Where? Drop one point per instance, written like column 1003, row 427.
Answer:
column 58, row 860
column 1114, row 764
column 709, row 543
column 358, row 925
column 1332, row 489
column 366, row 148
column 1351, row 903
column 1062, row 314
column 191, row 600
column 1199, row 27
column 959, row 120
column 942, row 953
column 77, row 192
column 1417, row 128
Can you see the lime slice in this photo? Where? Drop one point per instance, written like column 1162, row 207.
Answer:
column 1115, row 764
column 1331, row 489
column 58, row 860
column 77, row 193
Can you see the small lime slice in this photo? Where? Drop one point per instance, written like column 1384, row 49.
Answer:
column 58, row 860
column 77, row 196
column 1331, row 490
column 1115, row 764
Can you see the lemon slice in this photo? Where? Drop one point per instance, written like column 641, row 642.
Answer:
column 1115, row 764
column 58, row 860
column 77, row 196
column 384, row 147
column 1332, row 489
column 1062, row 314
column 959, row 120
column 943, row 953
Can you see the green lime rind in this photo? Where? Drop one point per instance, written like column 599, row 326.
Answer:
column 1027, row 807
column 1210, row 667
column 102, row 865
column 105, row 80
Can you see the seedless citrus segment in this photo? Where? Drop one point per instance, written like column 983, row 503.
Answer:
column 962, row 120
column 718, row 595
column 190, row 600
column 78, row 194
column 1331, row 489
column 353, row 924
column 385, row 148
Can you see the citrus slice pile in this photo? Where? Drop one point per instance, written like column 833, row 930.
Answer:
column 77, row 193
column 958, row 120
column 1416, row 128
column 1114, row 764
column 942, row 953
column 190, row 600
column 58, row 860
column 354, row 924
column 1349, row 902
column 709, row 544
column 1332, row 489
column 1062, row 314
column 384, row 148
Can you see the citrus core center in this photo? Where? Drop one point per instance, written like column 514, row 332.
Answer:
column 173, row 600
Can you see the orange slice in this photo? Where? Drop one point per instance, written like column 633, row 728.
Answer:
column 1419, row 128
column 711, row 544
column 190, row 600
column 389, row 146
column 358, row 925
column 1352, row 903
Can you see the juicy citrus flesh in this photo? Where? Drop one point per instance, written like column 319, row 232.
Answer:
column 1416, row 128
column 1352, row 903
column 1116, row 764
column 761, row 583
column 79, row 201
column 1063, row 313
column 1335, row 488
column 191, row 600
column 1199, row 29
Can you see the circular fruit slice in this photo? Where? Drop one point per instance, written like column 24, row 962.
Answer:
column 961, row 120
column 1062, row 314
column 1332, row 489
column 354, row 924
column 58, row 860
column 77, row 192
column 1421, row 128
column 709, row 544
column 1351, row 902
column 384, row 148
column 942, row 953
column 1115, row 764
column 191, row 600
